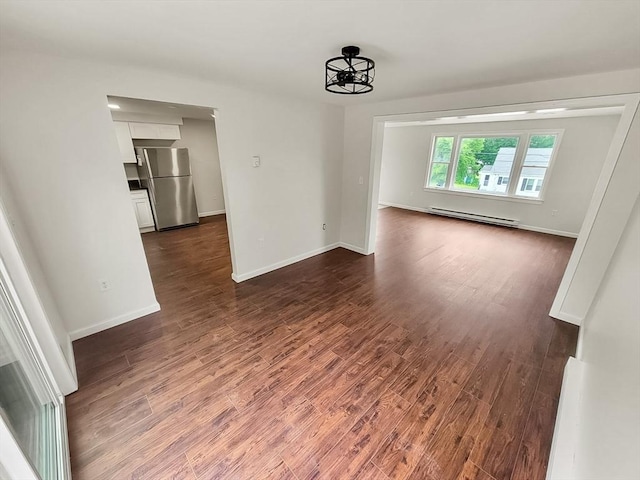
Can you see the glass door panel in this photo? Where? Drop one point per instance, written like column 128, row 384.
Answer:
column 27, row 402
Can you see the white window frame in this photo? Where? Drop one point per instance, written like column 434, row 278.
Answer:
column 48, row 390
column 524, row 139
column 432, row 152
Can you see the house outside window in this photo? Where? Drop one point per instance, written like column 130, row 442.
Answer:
column 530, row 186
column 527, row 184
column 536, row 163
column 483, row 164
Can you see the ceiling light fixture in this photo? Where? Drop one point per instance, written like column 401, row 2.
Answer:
column 551, row 110
column 113, row 106
column 349, row 74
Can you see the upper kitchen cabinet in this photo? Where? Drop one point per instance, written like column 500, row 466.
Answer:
column 124, row 142
column 155, row 131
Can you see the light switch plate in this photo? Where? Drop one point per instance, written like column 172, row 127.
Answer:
column 255, row 161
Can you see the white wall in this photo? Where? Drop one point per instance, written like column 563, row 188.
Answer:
column 59, row 152
column 200, row 137
column 570, row 185
column 609, row 416
column 359, row 127
column 27, row 276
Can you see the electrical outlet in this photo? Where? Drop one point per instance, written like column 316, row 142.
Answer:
column 104, row 284
column 554, row 213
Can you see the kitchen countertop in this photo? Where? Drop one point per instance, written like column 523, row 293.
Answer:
column 134, row 185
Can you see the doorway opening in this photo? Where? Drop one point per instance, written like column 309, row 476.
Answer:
column 446, row 161
column 170, row 158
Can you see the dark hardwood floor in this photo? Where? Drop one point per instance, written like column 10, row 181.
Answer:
column 432, row 359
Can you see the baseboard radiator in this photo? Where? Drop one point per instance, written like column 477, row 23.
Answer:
column 505, row 222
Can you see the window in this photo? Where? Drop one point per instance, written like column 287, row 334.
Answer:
column 483, row 164
column 441, row 158
column 476, row 157
column 535, row 164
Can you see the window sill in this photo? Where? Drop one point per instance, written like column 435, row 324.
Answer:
column 486, row 196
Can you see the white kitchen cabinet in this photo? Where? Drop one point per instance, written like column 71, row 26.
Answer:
column 124, row 142
column 168, row 132
column 142, row 208
column 154, row 131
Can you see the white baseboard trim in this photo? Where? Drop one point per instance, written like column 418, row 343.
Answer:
column 275, row 266
column 211, row 213
column 566, row 317
column 112, row 322
column 71, row 360
column 353, row 248
column 550, row 231
column 404, row 207
column 531, row 228
column 565, row 434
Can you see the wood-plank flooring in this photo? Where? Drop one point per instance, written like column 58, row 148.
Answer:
column 432, row 359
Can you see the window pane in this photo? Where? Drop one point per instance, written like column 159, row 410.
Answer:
column 482, row 161
column 442, row 149
column 542, row 141
column 438, row 175
column 536, row 162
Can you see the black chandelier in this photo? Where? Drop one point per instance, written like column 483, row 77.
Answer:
column 349, row 74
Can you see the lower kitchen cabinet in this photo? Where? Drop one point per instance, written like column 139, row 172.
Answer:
column 142, row 207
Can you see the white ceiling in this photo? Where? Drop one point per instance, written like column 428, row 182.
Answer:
column 420, row 47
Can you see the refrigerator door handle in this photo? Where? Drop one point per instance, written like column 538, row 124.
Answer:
column 147, row 165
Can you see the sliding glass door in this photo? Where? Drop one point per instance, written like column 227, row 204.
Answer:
column 32, row 414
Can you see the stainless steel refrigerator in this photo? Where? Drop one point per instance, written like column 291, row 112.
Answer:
column 166, row 174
